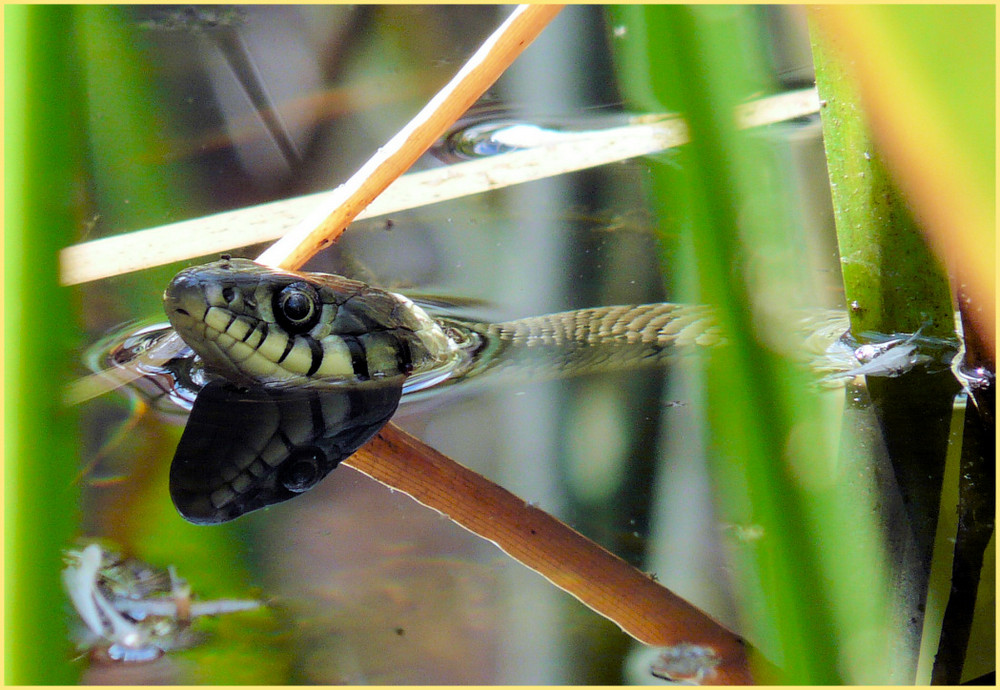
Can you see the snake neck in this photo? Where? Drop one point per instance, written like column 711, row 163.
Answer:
column 581, row 341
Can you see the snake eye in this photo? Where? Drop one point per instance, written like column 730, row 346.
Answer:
column 296, row 307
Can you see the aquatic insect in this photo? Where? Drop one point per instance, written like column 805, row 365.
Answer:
column 892, row 357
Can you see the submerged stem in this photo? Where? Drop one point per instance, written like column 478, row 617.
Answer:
column 644, row 609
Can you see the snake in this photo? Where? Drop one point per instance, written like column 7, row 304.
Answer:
column 290, row 372
column 286, row 329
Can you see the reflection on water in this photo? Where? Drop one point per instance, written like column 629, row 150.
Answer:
column 489, row 130
column 244, row 449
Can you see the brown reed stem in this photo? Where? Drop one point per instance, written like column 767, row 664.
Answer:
column 643, row 608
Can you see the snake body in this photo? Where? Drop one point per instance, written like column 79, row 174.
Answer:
column 257, row 325
column 303, row 368
column 289, row 373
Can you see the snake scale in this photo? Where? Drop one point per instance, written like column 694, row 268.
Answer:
column 301, row 369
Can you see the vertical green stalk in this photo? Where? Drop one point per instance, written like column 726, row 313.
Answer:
column 796, row 626
column 811, row 579
column 893, row 283
column 42, row 184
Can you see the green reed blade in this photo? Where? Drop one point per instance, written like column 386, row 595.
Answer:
column 42, row 179
column 811, row 586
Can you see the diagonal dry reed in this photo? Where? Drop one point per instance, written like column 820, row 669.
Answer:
column 399, row 153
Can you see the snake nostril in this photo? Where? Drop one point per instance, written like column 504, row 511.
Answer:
column 185, row 281
column 183, row 311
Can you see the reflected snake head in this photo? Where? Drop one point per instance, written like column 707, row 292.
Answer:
column 248, row 448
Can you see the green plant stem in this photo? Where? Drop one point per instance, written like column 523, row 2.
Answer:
column 812, row 586
column 43, row 154
column 892, row 281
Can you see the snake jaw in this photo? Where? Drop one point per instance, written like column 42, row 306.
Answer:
column 184, row 302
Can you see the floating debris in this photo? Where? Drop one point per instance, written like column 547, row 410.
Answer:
column 131, row 611
column 897, row 354
column 685, row 664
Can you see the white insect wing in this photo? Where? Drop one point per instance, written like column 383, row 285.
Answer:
column 891, row 358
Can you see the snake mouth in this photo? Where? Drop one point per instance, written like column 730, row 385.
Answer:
column 184, row 295
column 187, row 304
column 181, row 310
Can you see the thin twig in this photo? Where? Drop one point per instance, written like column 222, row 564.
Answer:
column 134, row 251
column 392, row 160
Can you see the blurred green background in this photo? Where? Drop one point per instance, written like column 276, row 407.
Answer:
column 780, row 509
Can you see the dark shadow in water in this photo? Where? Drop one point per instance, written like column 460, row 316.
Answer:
column 247, row 448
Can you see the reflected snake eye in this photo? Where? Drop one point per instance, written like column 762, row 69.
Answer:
column 302, row 470
column 297, row 307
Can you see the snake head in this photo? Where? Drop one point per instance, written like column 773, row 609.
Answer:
column 257, row 325
column 309, row 367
